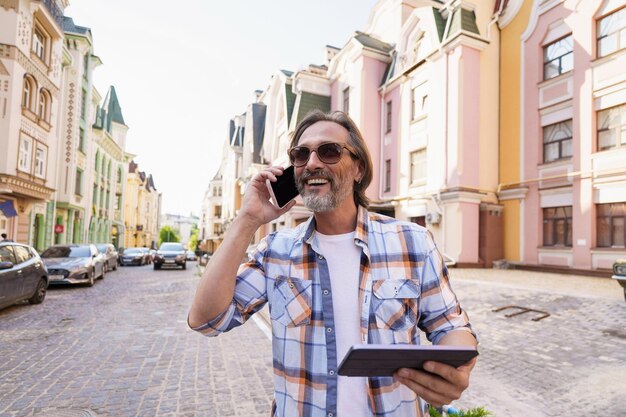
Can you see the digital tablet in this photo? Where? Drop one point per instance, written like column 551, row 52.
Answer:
column 384, row 360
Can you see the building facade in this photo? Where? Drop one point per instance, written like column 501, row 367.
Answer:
column 31, row 58
column 141, row 209
column 563, row 148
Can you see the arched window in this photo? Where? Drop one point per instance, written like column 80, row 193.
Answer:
column 27, row 91
column 44, row 104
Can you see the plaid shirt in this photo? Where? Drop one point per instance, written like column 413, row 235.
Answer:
column 403, row 289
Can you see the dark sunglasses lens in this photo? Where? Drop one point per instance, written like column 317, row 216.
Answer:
column 329, row 153
column 299, row 156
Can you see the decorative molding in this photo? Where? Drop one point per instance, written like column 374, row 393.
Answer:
column 39, row 71
column 24, row 187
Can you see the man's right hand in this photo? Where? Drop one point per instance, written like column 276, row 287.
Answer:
column 256, row 206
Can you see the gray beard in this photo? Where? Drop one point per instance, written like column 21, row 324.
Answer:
column 340, row 189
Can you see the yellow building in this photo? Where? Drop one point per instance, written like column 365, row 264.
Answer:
column 141, row 208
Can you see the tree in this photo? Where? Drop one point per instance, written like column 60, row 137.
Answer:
column 168, row 234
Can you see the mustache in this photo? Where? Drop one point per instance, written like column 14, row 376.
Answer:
column 317, row 174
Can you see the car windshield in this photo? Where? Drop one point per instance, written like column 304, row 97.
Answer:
column 67, row 252
column 171, row 246
column 102, row 248
column 133, row 251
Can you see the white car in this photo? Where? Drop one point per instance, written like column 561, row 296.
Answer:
column 191, row 256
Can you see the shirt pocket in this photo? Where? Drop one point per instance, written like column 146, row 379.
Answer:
column 292, row 301
column 395, row 303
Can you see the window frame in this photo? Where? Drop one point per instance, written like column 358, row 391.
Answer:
column 388, row 116
column 40, row 46
column 610, row 219
column 617, row 32
column 619, row 128
column 553, row 224
column 25, row 156
column 346, row 100
column 27, row 96
column 413, row 170
column 41, row 164
column 559, row 141
column 387, row 175
column 558, row 58
column 78, row 182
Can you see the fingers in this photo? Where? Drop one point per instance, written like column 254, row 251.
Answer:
column 439, row 385
column 270, row 173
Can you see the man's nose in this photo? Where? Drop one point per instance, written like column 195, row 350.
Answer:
column 314, row 162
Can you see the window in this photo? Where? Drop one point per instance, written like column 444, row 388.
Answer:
column 217, row 211
column 421, row 220
column 83, row 105
column 39, row 43
column 388, row 119
column 346, row 100
column 117, row 202
column 557, row 226
column 610, row 221
column 387, row 175
column 40, row 162
column 78, row 186
column 119, row 175
column 419, row 102
column 611, row 33
column 612, row 128
column 44, row 105
column 81, row 139
column 25, row 155
column 86, row 66
column 558, row 57
column 27, row 92
column 418, row 166
column 557, row 141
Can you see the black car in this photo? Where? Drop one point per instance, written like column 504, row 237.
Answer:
column 619, row 273
column 23, row 275
column 170, row 254
column 134, row 256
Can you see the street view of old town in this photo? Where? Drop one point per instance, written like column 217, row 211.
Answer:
column 132, row 139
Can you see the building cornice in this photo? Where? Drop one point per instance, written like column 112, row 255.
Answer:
column 24, row 187
column 12, row 52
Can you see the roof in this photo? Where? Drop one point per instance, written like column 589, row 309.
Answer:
column 308, row 102
column 371, row 42
column 112, row 105
column 70, row 27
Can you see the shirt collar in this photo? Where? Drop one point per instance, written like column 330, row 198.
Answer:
column 362, row 228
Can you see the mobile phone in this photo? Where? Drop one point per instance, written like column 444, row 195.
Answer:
column 284, row 189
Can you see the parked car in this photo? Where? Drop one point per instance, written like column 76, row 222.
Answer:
column 619, row 273
column 73, row 264
column 191, row 255
column 147, row 254
column 134, row 256
column 170, row 254
column 23, row 275
column 110, row 255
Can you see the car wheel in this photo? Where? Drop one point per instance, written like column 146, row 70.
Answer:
column 184, row 265
column 624, row 294
column 91, row 278
column 157, row 266
column 115, row 266
column 40, row 293
column 104, row 271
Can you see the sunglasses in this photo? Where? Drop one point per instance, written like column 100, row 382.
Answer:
column 328, row 153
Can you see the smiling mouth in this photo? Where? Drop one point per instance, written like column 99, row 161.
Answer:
column 316, row 181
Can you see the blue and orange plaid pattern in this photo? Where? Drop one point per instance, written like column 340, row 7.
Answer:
column 403, row 289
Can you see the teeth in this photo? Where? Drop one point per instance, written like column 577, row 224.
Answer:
column 317, row 181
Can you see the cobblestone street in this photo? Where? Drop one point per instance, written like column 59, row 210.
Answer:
column 122, row 348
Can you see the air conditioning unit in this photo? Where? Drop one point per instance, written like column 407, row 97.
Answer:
column 433, row 218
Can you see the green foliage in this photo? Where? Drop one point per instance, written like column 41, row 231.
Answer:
column 168, row 234
column 193, row 241
column 472, row 412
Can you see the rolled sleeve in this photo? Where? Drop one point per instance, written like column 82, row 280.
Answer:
column 440, row 310
column 218, row 325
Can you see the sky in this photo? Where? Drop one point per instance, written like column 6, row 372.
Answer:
column 183, row 69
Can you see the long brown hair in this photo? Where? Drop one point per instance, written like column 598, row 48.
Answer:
column 356, row 142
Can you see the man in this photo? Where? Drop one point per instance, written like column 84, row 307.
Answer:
column 344, row 277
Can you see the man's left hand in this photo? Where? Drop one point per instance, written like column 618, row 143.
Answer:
column 439, row 383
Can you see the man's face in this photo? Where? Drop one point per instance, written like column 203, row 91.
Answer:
column 324, row 187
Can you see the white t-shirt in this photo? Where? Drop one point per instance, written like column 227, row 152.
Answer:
column 344, row 260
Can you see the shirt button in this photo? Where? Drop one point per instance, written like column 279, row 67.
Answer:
column 331, row 372
column 330, row 414
column 329, row 329
column 320, row 256
column 325, row 292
